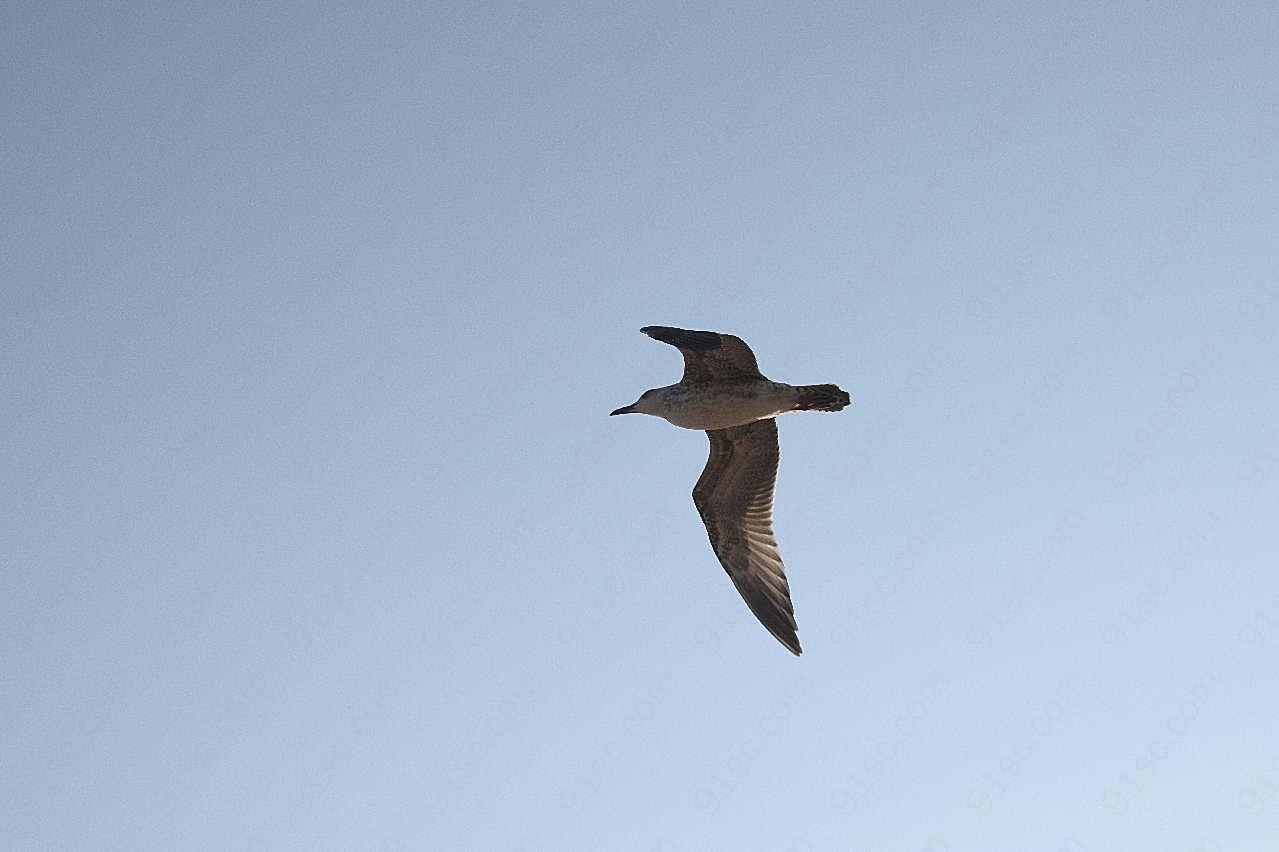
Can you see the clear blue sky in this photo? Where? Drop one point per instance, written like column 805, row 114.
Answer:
column 317, row 534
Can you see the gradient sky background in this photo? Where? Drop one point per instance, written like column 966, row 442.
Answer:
column 318, row 535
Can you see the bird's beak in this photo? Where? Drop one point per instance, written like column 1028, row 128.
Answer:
column 625, row 409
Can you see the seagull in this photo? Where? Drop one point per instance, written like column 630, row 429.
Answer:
column 723, row 392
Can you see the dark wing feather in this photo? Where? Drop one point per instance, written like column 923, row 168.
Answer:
column 708, row 355
column 735, row 498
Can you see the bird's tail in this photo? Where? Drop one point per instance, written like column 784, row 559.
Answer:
column 821, row 398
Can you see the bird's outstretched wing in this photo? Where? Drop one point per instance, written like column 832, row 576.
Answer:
column 708, row 355
column 735, row 498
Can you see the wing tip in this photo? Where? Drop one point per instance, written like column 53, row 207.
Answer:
column 683, row 338
column 781, row 624
column 791, row 643
column 777, row 616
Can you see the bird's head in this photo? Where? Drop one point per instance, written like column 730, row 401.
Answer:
column 644, row 405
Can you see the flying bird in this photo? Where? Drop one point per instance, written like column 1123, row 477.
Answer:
column 723, row 392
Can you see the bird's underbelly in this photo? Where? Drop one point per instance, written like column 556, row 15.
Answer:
column 726, row 409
